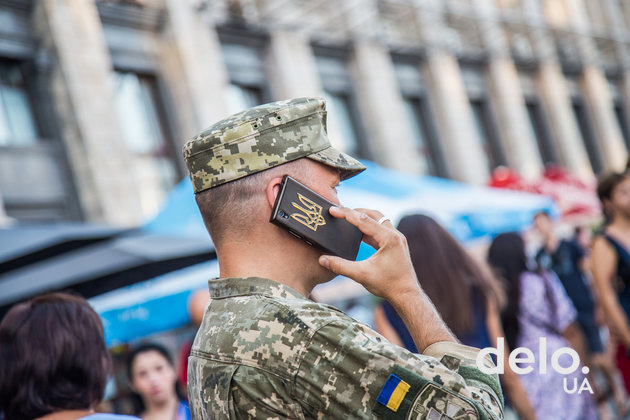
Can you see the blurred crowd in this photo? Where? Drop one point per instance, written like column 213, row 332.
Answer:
column 572, row 289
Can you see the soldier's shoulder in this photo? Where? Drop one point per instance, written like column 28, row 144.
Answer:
column 314, row 314
column 263, row 332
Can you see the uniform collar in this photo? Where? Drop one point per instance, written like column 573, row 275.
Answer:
column 246, row 286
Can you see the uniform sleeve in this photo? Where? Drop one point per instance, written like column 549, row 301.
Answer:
column 348, row 370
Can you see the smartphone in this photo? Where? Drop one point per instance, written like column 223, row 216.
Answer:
column 304, row 213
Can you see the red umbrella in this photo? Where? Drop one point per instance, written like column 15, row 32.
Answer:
column 574, row 197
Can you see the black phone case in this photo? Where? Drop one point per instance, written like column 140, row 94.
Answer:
column 304, row 213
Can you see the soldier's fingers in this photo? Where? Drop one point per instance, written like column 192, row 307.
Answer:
column 373, row 233
column 341, row 266
column 377, row 215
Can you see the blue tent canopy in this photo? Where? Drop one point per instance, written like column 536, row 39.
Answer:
column 179, row 215
column 157, row 305
column 468, row 212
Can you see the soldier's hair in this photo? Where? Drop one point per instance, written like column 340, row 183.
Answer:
column 228, row 207
column 52, row 357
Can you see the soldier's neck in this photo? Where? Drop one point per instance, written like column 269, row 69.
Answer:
column 288, row 268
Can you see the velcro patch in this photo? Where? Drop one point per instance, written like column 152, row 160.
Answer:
column 407, row 395
column 393, row 392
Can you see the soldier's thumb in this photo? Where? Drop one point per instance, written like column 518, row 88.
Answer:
column 336, row 265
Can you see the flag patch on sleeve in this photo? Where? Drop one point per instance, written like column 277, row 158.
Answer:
column 393, row 392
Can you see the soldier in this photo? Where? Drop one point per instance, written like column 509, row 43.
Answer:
column 264, row 350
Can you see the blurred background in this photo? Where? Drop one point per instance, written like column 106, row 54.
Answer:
column 98, row 97
column 441, row 98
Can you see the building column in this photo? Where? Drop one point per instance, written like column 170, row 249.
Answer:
column 381, row 104
column 597, row 92
column 83, row 90
column 192, row 63
column 378, row 95
column 619, row 29
column 515, row 130
column 291, row 66
column 555, row 97
column 556, row 102
column 464, row 156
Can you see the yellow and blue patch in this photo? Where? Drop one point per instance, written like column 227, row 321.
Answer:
column 393, row 392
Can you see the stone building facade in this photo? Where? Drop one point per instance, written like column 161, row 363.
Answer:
column 97, row 97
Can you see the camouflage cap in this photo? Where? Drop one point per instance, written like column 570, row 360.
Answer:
column 260, row 138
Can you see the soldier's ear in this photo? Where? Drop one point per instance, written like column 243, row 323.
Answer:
column 272, row 190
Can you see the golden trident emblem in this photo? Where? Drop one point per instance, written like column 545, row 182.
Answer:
column 312, row 217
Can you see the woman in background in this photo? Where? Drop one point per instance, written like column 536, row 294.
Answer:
column 53, row 360
column 538, row 307
column 465, row 294
column 610, row 261
column 152, row 377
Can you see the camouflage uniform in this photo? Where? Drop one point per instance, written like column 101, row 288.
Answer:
column 265, row 352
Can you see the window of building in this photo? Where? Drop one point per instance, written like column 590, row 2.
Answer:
column 17, row 121
column 143, row 130
column 620, row 111
column 248, row 82
column 421, row 135
column 482, row 123
column 539, row 127
column 242, row 97
column 35, row 184
column 537, row 119
column 340, row 126
column 343, row 126
column 583, row 121
column 588, row 137
column 622, row 120
column 416, row 102
column 476, row 89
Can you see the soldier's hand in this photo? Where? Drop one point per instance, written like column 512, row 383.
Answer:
column 389, row 272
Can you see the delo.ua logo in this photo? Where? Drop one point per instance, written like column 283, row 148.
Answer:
column 522, row 359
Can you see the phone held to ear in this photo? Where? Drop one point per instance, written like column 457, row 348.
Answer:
column 304, row 213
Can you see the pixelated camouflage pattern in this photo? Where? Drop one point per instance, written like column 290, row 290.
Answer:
column 260, row 138
column 265, row 352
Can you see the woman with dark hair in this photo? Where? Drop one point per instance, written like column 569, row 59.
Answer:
column 611, row 263
column 538, row 307
column 464, row 292
column 152, row 377
column 53, row 360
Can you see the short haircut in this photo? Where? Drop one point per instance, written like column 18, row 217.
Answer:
column 228, row 207
column 52, row 357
